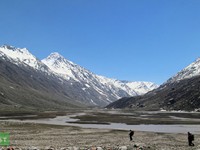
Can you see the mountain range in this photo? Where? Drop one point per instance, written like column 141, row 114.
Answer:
column 180, row 92
column 57, row 83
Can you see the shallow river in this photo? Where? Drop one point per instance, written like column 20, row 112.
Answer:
column 64, row 120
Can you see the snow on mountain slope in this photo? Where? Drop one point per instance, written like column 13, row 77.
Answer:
column 22, row 56
column 61, row 66
column 116, row 87
column 190, row 71
column 68, row 70
column 92, row 88
column 142, row 87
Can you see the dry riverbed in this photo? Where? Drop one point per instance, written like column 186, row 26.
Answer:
column 30, row 135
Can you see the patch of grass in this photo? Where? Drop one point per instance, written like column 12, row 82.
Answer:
column 107, row 117
column 137, row 118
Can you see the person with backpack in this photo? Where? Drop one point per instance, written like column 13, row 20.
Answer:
column 190, row 139
column 131, row 133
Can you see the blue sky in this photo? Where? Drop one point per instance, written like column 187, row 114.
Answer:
column 136, row 40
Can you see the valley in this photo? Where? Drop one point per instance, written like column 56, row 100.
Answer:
column 114, row 119
column 108, row 129
column 87, row 74
column 54, row 102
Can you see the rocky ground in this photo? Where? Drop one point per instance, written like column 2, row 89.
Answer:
column 37, row 136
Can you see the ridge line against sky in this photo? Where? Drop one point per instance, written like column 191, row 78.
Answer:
column 134, row 40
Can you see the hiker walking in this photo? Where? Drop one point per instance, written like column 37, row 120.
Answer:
column 131, row 133
column 190, row 139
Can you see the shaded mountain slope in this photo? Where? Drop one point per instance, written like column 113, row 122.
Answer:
column 182, row 95
column 24, row 87
column 106, row 89
column 180, row 92
column 57, row 80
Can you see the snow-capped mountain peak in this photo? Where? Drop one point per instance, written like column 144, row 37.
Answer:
column 190, row 71
column 16, row 53
column 55, row 56
column 142, row 87
column 91, row 87
column 69, row 70
column 21, row 55
column 58, row 64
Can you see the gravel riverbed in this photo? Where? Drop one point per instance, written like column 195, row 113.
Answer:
column 42, row 136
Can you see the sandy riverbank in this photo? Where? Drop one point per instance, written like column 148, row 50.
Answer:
column 26, row 135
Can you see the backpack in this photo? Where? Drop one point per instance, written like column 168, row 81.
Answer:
column 131, row 133
column 192, row 137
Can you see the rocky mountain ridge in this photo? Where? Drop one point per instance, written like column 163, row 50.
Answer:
column 75, row 82
column 190, row 71
column 180, row 92
column 68, row 70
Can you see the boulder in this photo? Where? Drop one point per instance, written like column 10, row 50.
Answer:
column 123, row 148
column 33, row 148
